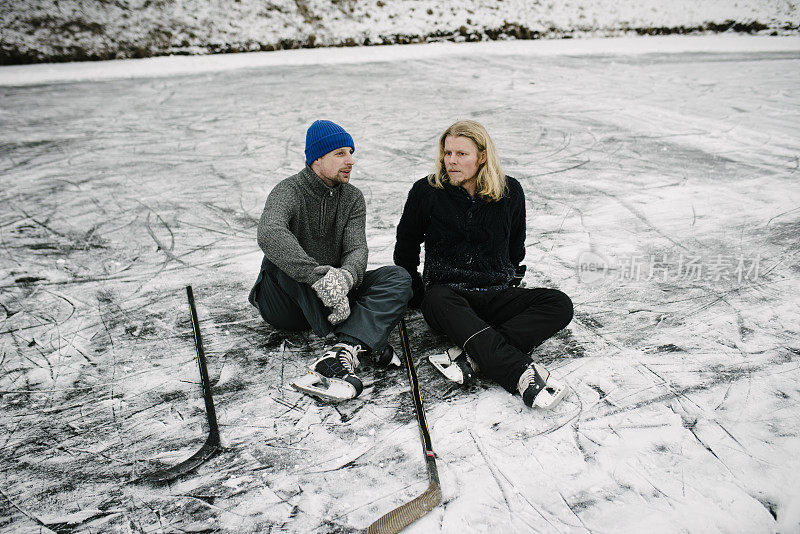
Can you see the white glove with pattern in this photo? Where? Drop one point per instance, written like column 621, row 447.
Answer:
column 332, row 290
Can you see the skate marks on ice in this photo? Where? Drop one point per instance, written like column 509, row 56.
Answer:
column 694, row 342
column 712, row 349
column 614, row 446
column 132, row 420
column 683, row 390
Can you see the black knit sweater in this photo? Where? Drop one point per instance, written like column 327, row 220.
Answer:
column 470, row 243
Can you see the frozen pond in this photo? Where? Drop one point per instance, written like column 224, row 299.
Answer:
column 662, row 195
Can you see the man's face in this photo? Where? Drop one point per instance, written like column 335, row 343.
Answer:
column 462, row 159
column 335, row 166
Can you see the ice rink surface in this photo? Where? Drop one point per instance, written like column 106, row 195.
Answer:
column 663, row 197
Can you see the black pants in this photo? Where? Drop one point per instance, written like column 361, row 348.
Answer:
column 375, row 306
column 498, row 329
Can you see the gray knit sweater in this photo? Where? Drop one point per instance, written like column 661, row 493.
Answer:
column 305, row 224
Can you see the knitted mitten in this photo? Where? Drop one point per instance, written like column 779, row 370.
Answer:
column 340, row 313
column 332, row 290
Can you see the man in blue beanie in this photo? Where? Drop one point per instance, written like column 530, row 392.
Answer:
column 313, row 234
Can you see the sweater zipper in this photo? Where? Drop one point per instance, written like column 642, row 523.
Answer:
column 324, row 213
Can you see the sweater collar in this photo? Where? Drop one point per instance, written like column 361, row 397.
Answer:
column 316, row 185
column 461, row 193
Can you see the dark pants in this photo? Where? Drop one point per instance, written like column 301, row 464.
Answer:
column 375, row 306
column 498, row 329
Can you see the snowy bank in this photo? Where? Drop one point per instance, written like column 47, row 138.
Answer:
column 34, row 31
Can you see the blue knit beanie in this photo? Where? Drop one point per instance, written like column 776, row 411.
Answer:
column 323, row 137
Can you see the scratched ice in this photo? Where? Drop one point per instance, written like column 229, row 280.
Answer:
column 662, row 196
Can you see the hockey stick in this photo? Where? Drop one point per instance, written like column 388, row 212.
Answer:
column 212, row 444
column 401, row 517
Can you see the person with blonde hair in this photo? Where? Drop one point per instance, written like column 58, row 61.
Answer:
column 471, row 218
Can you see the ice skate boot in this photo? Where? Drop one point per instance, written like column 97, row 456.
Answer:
column 538, row 387
column 455, row 365
column 332, row 377
column 387, row 357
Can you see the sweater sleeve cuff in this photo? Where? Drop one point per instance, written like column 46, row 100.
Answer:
column 350, row 278
column 312, row 277
column 351, row 274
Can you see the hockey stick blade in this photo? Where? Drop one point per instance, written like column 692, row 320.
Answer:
column 404, row 515
column 401, row 517
column 213, row 443
column 209, row 449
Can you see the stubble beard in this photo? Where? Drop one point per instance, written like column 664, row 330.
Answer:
column 338, row 178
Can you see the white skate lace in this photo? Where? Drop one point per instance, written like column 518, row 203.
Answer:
column 346, row 355
column 528, row 377
column 349, row 356
column 472, row 363
column 455, row 353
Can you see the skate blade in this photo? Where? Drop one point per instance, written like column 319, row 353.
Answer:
column 324, row 388
column 447, row 367
column 554, row 390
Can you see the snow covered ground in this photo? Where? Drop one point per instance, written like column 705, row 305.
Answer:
column 663, row 196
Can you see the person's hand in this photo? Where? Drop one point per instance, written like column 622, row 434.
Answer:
column 518, row 275
column 340, row 312
column 332, row 290
column 418, row 288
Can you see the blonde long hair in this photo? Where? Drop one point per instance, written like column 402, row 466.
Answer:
column 491, row 179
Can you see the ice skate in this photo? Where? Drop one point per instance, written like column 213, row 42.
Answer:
column 332, row 377
column 455, row 365
column 387, row 358
column 538, row 387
